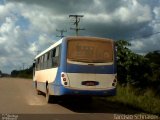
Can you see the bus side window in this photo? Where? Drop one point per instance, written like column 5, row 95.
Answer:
column 53, row 52
column 58, row 55
column 45, row 61
column 48, row 55
column 38, row 64
column 41, row 63
column 55, row 57
column 57, row 52
column 49, row 59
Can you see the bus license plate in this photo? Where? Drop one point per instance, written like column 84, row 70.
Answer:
column 90, row 83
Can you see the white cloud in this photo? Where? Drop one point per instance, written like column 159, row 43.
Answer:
column 101, row 18
column 41, row 19
column 5, row 10
column 150, row 43
column 14, row 45
column 134, row 12
column 146, row 45
column 131, row 13
column 18, row 45
column 157, row 12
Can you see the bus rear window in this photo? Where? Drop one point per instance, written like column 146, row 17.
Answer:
column 90, row 51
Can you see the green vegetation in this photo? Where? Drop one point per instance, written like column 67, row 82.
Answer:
column 26, row 73
column 138, row 79
column 144, row 100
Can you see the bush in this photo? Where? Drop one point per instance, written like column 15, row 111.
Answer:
column 144, row 100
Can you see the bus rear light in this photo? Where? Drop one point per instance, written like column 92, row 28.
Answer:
column 114, row 80
column 63, row 75
column 64, row 79
column 65, row 83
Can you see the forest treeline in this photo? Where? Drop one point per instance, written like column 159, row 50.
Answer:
column 140, row 71
column 138, row 79
column 26, row 73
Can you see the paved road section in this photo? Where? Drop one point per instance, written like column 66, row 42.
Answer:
column 18, row 97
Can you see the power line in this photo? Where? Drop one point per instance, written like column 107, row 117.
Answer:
column 76, row 23
column 61, row 33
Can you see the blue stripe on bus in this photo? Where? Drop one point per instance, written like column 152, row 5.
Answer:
column 67, row 91
column 74, row 68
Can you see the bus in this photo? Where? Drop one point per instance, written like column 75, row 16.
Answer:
column 76, row 66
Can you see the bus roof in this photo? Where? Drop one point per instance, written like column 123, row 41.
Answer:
column 48, row 49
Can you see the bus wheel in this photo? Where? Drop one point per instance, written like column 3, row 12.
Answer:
column 38, row 92
column 48, row 97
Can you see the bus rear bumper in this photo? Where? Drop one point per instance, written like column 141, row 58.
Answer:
column 60, row 90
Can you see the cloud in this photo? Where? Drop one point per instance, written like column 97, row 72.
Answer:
column 143, row 46
column 5, row 10
column 28, row 26
column 13, row 44
column 120, row 19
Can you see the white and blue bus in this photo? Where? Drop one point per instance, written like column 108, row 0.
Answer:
column 77, row 66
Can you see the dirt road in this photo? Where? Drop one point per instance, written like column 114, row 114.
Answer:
column 18, row 97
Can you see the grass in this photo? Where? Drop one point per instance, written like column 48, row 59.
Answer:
column 143, row 100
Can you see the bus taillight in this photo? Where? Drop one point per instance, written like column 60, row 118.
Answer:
column 64, row 79
column 114, row 81
column 62, row 75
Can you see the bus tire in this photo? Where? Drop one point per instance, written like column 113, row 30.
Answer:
column 48, row 96
column 37, row 91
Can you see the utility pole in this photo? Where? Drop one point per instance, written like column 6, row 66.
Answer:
column 61, row 33
column 76, row 22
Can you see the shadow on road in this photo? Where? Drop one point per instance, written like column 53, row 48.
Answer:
column 96, row 106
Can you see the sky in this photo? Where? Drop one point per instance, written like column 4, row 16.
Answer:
column 29, row 26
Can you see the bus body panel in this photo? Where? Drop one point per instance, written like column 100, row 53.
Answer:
column 104, row 81
column 45, row 76
column 105, row 69
column 48, row 75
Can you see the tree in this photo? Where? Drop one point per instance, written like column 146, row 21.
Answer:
column 154, row 57
column 27, row 73
column 132, row 69
column 14, row 73
column 154, row 61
